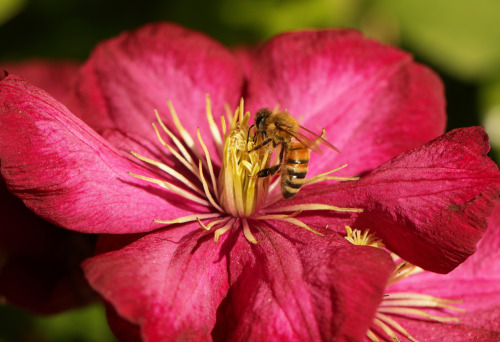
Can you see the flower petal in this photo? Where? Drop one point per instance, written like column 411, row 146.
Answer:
column 429, row 205
column 296, row 291
column 170, row 282
column 373, row 100
column 55, row 77
column 128, row 76
column 77, row 180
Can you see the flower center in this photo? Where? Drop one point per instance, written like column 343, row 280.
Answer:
column 241, row 191
column 400, row 304
column 237, row 193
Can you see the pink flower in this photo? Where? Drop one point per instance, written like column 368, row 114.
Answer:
column 265, row 277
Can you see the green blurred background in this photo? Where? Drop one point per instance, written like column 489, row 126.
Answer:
column 460, row 39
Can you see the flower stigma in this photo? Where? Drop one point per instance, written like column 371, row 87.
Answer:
column 236, row 197
column 409, row 305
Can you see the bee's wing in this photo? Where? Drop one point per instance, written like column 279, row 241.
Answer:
column 316, row 139
column 310, row 139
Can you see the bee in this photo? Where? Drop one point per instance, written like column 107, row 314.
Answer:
column 281, row 128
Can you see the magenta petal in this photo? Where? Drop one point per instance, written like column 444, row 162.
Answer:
column 373, row 100
column 429, row 205
column 129, row 76
column 170, row 282
column 438, row 198
column 55, row 77
column 77, row 180
column 480, row 269
column 485, row 263
column 323, row 290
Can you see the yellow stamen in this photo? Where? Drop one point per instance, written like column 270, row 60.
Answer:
column 188, row 140
column 290, row 219
column 246, row 231
column 401, row 299
column 417, row 313
column 223, row 220
column 395, row 325
column 207, row 192
column 201, row 224
column 189, row 218
column 224, row 229
column 229, row 112
column 403, row 270
column 188, row 164
column 386, row 329
column 213, row 127
column 169, row 171
column 223, row 126
column 176, row 141
column 312, row 206
column 175, row 189
column 363, row 239
column 321, row 177
column 209, row 163
column 371, row 336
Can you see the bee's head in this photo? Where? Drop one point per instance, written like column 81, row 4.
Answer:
column 260, row 119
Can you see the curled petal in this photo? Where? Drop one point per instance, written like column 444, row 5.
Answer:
column 429, row 205
column 77, row 180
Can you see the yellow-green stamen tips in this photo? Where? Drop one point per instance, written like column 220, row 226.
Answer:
column 241, row 191
column 235, row 197
column 356, row 237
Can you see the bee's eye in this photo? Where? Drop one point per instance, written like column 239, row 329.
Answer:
column 258, row 121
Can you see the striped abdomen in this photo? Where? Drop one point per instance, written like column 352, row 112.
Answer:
column 294, row 169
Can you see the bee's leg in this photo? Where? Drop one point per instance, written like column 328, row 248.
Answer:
column 272, row 170
column 262, row 145
column 269, row 171
column 248, row 134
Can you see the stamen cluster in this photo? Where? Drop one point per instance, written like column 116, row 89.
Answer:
column 237, row 194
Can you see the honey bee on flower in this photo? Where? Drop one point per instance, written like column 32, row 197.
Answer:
column 279, row 128
column 192, row 244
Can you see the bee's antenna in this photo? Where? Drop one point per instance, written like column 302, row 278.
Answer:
column 248, row 134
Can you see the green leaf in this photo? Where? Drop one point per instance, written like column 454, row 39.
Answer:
column 87, row 324
column 270, row 17
column 462, row 37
